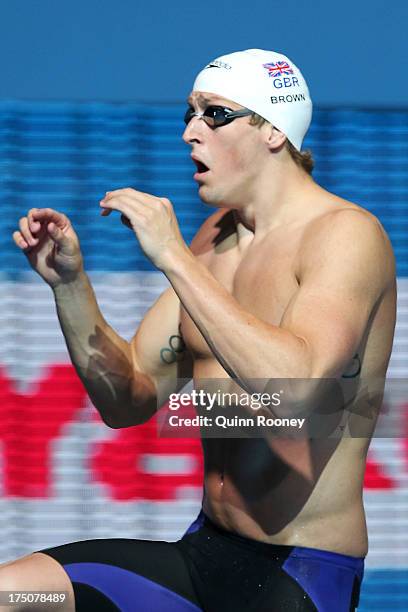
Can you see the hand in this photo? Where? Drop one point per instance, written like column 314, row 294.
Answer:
column 151, row 218
column 48, row 240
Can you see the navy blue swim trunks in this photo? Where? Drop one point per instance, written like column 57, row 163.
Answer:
column 211, row 570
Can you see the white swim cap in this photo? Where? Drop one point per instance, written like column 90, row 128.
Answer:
column 265, row 82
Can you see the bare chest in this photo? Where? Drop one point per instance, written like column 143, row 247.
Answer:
column 263, row 280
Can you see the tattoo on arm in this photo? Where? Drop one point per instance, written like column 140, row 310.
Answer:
column 176, row 349
column 354, row 368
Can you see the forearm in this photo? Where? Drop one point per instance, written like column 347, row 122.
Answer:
column 246, row 347
column 100, row 356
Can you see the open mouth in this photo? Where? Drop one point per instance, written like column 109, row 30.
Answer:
column 201, row 168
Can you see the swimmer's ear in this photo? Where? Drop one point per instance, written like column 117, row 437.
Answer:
column 275, row 139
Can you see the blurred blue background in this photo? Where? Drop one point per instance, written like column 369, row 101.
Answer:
column 91, row 99
column 351, row 52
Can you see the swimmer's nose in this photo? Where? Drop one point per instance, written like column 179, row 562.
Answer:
column 194, row 131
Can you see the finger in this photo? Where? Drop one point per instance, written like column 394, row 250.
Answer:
column 58, row 236
column 34, row 225
column 50, row 215
column 130, row 210
column 115, row 192
column 107, row 211
column 108, row 206
column 129, row 191
column 127, row 211
column 19, row 240
column 124, row 204
column 25, row 232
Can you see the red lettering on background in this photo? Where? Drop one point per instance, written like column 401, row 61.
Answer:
column 375, row 478
column 29, row 422
column 118, row 464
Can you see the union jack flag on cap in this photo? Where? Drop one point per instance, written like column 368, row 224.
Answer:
column 277, row 68
column 246, row 81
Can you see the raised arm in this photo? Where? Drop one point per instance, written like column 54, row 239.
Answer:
column 348, row 266
column 125, row 380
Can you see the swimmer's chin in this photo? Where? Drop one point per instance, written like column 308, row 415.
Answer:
column 211, row 199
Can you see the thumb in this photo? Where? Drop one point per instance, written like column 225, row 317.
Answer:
column 58, row 236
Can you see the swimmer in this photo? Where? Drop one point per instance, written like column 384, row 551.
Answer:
column 284, row 280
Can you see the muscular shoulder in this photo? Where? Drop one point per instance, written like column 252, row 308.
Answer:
column 353, row 237
column 215, row 229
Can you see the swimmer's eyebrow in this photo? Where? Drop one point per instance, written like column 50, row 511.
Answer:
column 200, row 99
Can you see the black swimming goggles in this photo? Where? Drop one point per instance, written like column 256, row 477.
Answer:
column 216, row 116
